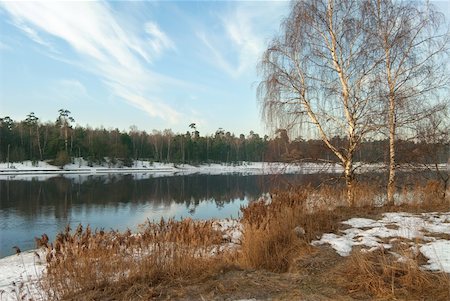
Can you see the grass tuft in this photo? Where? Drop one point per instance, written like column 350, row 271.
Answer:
column 387, row 276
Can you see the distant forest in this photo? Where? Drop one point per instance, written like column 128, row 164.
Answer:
column 60, row 141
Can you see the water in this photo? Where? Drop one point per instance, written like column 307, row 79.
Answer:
column 29, row 208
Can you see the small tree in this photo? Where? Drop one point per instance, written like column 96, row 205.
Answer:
column 62, row 158
column 412, row 45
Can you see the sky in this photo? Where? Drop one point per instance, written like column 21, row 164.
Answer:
column 152, row 64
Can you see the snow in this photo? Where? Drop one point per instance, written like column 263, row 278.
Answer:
column 415, row 228
column 24, row 268
column 144, row 169
column 231, row 229
column 341, row 244
column 438, row 254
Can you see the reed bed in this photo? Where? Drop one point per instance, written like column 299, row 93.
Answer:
column 85, row 260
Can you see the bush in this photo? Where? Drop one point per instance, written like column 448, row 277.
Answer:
column 62, row 158
column 128, row 162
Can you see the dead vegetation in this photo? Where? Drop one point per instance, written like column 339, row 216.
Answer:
column 387, row 277
column 187, row 260
column 97, row 261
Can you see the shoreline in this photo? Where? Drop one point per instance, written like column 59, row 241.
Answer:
column 80, row 167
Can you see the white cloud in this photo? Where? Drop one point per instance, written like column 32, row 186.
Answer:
column 119, row 57
column 246, row 29
column 160, row 40
column 153, row 108
column 73, row 84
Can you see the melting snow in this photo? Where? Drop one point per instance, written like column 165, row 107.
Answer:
column 369, row 234
column 24, row 268
column 438, row 254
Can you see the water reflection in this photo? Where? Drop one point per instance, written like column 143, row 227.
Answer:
column 29, row 208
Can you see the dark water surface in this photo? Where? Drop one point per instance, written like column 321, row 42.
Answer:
column 29, row 208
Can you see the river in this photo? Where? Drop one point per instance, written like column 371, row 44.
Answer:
column 33, row 206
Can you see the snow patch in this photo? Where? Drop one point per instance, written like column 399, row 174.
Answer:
column 25, row 268
column 438, row 254
column 369, row 234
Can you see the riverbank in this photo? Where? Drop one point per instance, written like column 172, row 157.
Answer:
column 281, row 249
column 81, row 166
column 156, row 169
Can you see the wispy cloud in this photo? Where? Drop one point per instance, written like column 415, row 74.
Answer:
column 121, row 58
column 246, row 28
column 160, row 40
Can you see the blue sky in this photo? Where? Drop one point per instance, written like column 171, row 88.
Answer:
column 155, row 65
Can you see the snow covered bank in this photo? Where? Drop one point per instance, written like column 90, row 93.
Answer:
column 19, row 275
column 42, row 170
column 421, row 231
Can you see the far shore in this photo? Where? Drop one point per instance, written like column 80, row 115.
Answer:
column 80, row 166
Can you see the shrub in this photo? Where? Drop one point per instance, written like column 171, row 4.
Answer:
column 62, row 158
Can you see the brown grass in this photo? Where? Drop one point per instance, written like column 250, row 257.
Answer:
column 383, row 276
column 426, row 196
column 85, row 261
column 270, row 240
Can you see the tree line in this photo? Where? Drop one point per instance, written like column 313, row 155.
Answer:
column 62, row 140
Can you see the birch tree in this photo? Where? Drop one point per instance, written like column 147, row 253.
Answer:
column 414, row 78
column 319, row 71
column 64, row 121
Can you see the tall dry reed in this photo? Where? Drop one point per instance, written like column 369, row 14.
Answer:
column 86, row 260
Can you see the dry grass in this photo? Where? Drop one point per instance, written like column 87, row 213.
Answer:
column 269, row 241
column 383, row 276
column 99, row 261
column 426, row 196
column 271, row 238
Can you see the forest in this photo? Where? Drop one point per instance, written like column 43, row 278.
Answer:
column 59, row 141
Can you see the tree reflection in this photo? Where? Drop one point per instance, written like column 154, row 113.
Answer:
column 30, row 198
